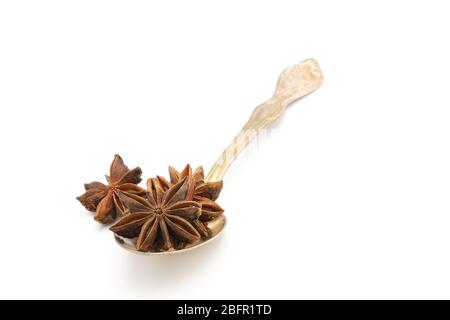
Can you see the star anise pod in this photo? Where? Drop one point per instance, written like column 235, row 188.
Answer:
column 104, row 199
column 200, row 191
column 164, row 220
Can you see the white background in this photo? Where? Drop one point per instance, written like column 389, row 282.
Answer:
column 348, row 197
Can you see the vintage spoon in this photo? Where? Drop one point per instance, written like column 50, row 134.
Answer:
column 293, row 83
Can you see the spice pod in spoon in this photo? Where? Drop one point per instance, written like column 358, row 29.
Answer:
column 181, row 212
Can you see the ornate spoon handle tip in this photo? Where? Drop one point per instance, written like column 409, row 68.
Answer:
column 293, row 83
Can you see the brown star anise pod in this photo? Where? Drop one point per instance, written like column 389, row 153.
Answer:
column 164, row 220
column 104, row 199
column 205, row 193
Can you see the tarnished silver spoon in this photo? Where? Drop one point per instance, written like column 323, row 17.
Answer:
column 293, row 83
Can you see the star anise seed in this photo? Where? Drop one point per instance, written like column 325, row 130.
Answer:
column 104, row 199
column 162, row 221
column 205, row 193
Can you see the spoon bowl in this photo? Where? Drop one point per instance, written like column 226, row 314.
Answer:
column 215, row 228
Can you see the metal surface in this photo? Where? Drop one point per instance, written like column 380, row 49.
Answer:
column 293, row 83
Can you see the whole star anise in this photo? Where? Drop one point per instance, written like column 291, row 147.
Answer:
column 164, row 220
column 205, row 193
column 104, row 199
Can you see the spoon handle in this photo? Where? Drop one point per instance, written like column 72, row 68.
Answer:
column 293, row 83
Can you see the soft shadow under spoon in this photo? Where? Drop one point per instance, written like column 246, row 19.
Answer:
column 293, row 83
